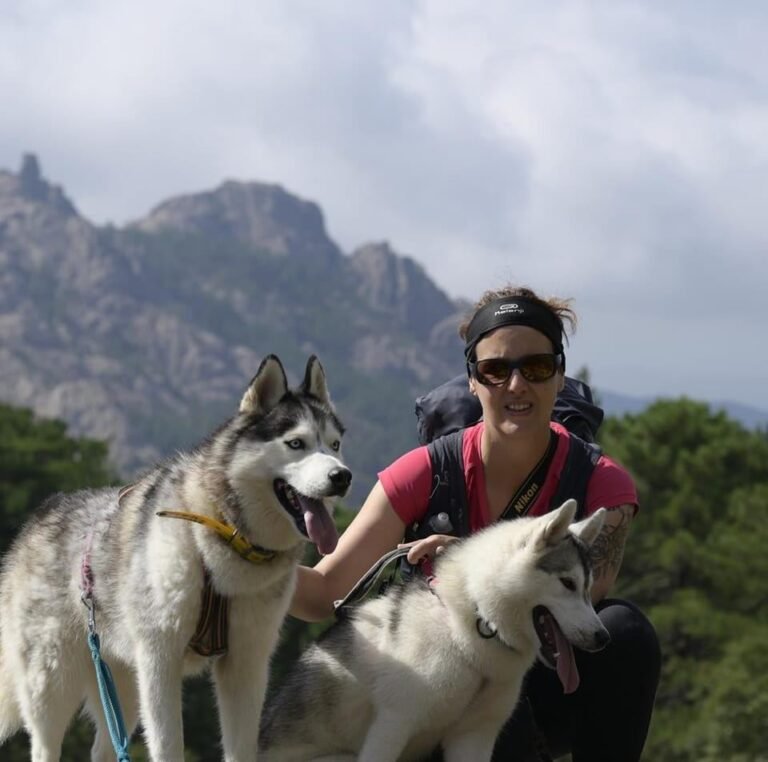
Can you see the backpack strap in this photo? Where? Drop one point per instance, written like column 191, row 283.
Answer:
column 448, row 509
column 579, row 464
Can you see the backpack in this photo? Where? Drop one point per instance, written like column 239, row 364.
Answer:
column 441, row 416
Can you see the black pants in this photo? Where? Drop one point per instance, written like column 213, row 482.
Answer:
column 607, row 718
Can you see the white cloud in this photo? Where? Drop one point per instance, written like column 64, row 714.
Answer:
column 617, row 152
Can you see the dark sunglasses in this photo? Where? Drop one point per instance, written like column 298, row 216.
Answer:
column 496, row 371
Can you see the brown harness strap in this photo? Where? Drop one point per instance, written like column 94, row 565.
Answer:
column 211, row 634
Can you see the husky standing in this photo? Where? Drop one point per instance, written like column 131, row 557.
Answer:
column 260, row 481
column 442, row 662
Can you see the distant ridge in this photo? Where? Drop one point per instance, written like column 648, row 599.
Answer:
column 620, row 404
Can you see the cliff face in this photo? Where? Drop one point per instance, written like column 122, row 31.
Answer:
column 264, row 217
column 146, row 335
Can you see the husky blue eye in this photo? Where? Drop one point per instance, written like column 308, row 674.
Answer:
column 335, row 445
column 296, row 444
column 568, row 583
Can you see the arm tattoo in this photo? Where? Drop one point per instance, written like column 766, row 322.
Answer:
column 608, row 549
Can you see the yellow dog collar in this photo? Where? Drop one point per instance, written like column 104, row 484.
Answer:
column 241, row 545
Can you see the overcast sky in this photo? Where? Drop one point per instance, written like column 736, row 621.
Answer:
column 615, row 152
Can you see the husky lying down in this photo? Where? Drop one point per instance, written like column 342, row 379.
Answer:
column 442, row 663
column 266, row 473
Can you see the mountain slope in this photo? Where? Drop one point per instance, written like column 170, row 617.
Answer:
column 146, row 336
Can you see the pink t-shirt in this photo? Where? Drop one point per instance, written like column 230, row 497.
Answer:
column 408, row 481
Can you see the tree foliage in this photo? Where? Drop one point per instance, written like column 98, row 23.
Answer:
column 37, row 458
column 696, row 563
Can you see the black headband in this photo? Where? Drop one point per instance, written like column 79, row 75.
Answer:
column 514, row 310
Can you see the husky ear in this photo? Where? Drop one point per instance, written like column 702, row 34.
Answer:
column 557, row 523
column 267, row 387
column 588, row 529
column 314, row 381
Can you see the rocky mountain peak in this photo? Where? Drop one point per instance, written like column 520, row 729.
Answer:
column 28, row 192
column 31, row 180
column 264, row 217
column 46, row 246
column 398, row 285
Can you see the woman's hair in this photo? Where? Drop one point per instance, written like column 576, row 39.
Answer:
column 560, row 308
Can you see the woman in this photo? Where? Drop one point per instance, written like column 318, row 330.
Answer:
column 516, row 366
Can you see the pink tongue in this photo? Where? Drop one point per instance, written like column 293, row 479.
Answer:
column 320, row 527
column 566, row 663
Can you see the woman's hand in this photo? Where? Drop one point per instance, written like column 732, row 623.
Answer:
column 429, row 547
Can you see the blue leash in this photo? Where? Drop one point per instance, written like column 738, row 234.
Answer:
column 109, row 701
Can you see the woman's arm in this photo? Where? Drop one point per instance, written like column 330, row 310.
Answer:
column 375, row 530
column 608, row 549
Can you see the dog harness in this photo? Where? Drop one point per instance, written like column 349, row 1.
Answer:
column 211, row 634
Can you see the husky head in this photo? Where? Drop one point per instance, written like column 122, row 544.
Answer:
column 535, row 587
column 289, row 443
column 565, row 617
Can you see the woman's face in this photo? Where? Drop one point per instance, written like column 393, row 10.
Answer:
column 517, row 406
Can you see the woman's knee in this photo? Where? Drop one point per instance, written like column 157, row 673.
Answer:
column 633, row 637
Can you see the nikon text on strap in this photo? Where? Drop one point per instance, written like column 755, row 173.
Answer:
column 525, row 496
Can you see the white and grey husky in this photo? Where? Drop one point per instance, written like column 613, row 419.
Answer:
column 441, row 663
column 261, row 481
